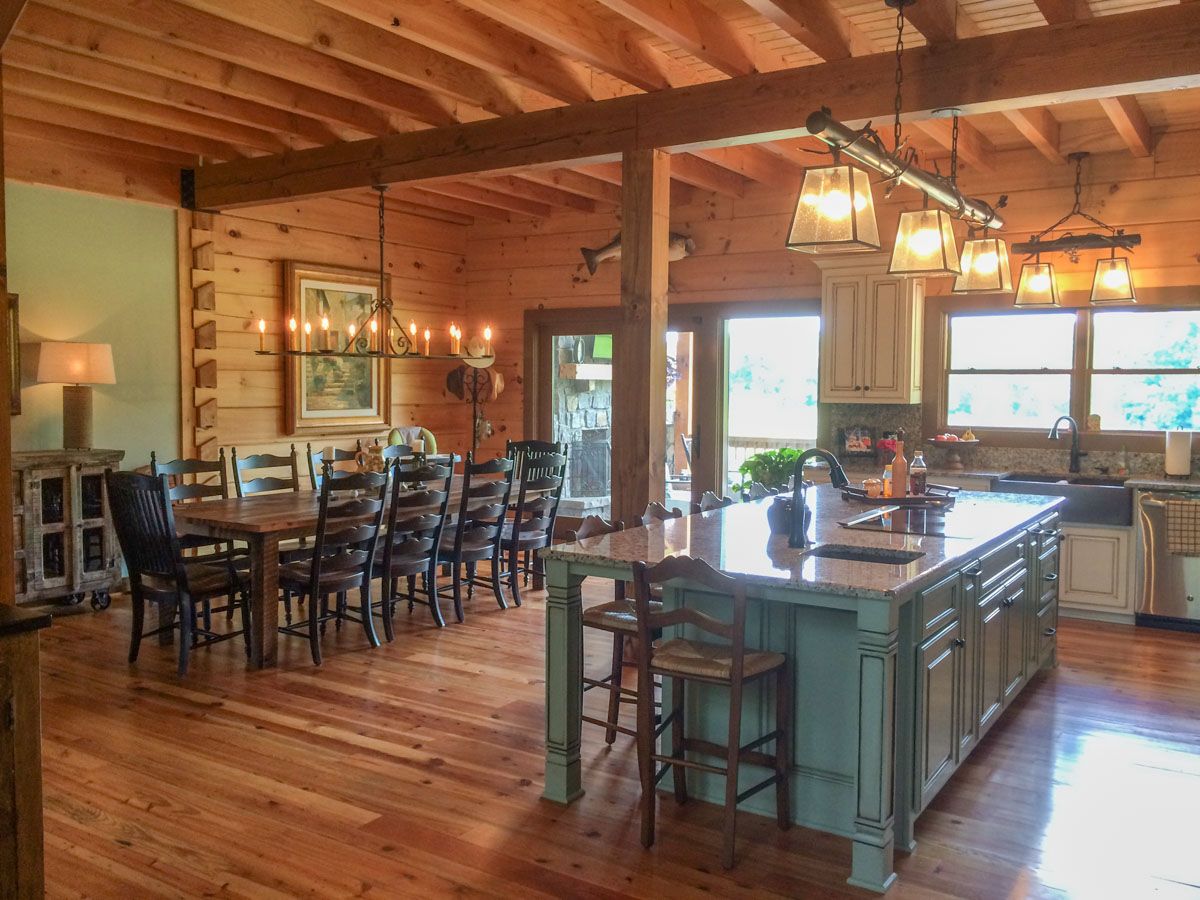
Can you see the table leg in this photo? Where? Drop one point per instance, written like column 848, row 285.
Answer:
column 872, row 861
column 264, row 600
column 564, row 682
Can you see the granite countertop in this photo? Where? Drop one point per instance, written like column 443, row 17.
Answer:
column 738, row 540
column 14, row 620
column 1165, row 482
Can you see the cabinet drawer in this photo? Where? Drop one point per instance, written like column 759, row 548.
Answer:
column 1046, row 534
column 1045, row 634
column 999, row 565
column 1046, row 588
column 939, row 604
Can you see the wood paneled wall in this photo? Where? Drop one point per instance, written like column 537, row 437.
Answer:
column 513, row 267
column 232, row 272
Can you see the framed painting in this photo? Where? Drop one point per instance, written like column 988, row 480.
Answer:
column 14, row 354
column 330, row 394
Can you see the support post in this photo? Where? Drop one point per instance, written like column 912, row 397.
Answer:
column 640, row 355
column 564, row 683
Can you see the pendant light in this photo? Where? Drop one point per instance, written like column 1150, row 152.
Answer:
column 1037, row 286
column 985, row 268
column 1113, row 282
column 834, row 212
column 925, row 244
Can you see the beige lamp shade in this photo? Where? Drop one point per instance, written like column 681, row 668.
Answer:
column 70, row 362
column 1038, row 286
column 925, row 244
column 834, row 212
column 984, row 267
column 1113, row 282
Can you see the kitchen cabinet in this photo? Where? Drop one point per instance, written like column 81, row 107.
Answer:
column 939, row 689
column 1095, row 569
column 871, row 333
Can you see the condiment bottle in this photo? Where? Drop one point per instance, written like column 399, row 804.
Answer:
column 900, row 469
column 918, row 473
column 887, row 480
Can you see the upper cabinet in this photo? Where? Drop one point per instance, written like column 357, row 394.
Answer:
column 870, row 332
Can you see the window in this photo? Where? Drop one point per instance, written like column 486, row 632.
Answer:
column 1010, row 370
column 1145, row 373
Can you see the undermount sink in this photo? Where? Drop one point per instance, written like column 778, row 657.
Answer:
column 1091, row 499
column 883, row 556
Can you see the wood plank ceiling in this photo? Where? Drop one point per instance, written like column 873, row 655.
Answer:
column 193, row 81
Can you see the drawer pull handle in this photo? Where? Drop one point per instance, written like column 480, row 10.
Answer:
column 1052, row 576
column 959, row 642
column 974, row 571
column 1049, row 632
column 1010, row 601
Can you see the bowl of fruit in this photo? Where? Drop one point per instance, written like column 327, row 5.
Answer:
column 950, row 438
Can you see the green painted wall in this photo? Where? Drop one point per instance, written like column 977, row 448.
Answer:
column 93, row 269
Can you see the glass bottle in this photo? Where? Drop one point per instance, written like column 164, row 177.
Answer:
column 887, row 480
column 918, row 473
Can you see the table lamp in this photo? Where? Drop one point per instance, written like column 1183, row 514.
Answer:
column 76, row 366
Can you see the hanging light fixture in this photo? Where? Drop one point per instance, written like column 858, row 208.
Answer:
column 925, row 244
column 834, row 212
column 1112, row 281
column 1037, row 286
column 985, row 268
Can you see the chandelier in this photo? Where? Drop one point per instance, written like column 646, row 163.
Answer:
column 377, row 334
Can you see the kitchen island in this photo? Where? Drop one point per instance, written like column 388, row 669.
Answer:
column 900, row 668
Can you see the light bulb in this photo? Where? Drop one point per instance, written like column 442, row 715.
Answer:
column 292, row 324
column 487, row 332
column 925, row 242
column 350, row 329
column 262, row 326
column 374, row 326
column 1115, row 279
column 1039, row 282
column 986, row 263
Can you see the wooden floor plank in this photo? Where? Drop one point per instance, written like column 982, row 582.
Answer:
column 415, row 771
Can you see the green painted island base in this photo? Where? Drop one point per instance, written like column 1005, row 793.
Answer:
column 844, row 653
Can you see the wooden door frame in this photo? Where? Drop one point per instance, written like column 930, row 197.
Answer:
column 706, row 321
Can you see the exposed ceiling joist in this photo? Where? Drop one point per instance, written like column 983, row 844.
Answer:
column 578, row 183
column 1127, row 117
column 477, row 193
column 974, row 148
column 1040, row 128
column 451, row 204
column 706, row 175
column 693, row 27
column 755, row 163
column 1056, row 12
column 817, row 24
column 10, row 11
column 941, row 21
column 519, row 186
column 1148, row 50
column 91, row 140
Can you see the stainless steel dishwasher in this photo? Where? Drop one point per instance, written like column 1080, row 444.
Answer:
column 1169, row 584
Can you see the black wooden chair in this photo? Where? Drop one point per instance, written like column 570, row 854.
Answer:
column 415, row 521
column 145, row 524
column 710, row 501
column 211, row 483
column 395, row 452
column 478, row 525
column 284, row 473
column 342, row 557
column 656, row 512
column 319, row 462
column 532, row 526
column 728, row 664
column 517, row 451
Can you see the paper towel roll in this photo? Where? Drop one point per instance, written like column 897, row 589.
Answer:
column 1178, row 455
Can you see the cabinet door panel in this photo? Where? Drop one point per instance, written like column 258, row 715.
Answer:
column 1095, row 569
column 939, row 680
column 884, row 371
column 841, row 326
column 990, row 659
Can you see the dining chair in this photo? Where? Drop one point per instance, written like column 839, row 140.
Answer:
column 710, row 501
column 248, row 482
column 758, row 491
column 532, row 526
column 319, row 460
column 144, row 521
column 727, row 664
column 517, row 451
column 180, row 490
column 409, row 548
column 478, row 525
column 393, row 452
column 342, row 558
column 656, row 512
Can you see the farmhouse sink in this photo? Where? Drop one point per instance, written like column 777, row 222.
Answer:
column 880, row 555
column 1091, row 500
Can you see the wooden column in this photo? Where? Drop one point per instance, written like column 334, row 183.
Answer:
column 7, row 588
column 640, row 355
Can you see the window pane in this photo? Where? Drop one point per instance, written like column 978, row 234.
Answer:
column 581, row 415
column 1147, row 402
column 1147, row 340
column 1008, row 401
column 1012, row 341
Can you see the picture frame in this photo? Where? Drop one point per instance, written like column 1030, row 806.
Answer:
column 14, row 354
column 856, row 441
column 332, row 394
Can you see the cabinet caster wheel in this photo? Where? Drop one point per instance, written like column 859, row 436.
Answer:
column 75, row 599
column 100, row 600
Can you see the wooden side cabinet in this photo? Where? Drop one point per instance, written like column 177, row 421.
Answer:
column 871, row 325
column 21, row 867
column 66, row 546
column 1094, row 570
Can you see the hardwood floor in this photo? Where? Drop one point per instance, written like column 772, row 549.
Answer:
column 414, row 770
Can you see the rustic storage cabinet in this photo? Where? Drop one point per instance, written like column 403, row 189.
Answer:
column 65, row 541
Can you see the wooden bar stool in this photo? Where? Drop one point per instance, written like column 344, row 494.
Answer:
column 727, row 664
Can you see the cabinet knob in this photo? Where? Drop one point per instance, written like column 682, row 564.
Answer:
column 1049, row 632
column 1010, row 601
column 1051, row 576
column 959, row 642
column 866, row 387
column 858, row 387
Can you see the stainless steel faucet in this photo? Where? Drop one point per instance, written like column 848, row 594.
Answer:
column 1073, row 468
column 837, row 477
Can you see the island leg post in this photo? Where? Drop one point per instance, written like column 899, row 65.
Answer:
column 564, row 682
column 872, row 860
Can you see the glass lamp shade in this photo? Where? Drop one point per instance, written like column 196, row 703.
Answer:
column 925, row 244
column 985, row 268
column 1113, row 282
column 1038, row 286
column 834, row 212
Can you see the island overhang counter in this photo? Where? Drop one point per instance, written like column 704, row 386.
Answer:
column 898, row 670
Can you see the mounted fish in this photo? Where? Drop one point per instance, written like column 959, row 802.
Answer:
column 678, row 246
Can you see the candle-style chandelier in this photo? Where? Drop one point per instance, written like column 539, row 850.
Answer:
column 378, row 334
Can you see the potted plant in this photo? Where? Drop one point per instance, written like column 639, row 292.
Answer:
column 771, row 468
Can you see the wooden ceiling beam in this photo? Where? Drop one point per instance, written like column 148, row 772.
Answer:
column 89, row 97
column 91, row 140
column 173, row 24
column 59, row 114
column 478, row 194
column 693, row 27
column 451, row 204
column 75, row 34
column 755, row 163
column 1040, row 128
column 817, row 24
column 33, row 57
column 974, row 148
column 356, row 43
column 10, row 11
column 1056, row 12
column 578, row 183
column 940, row 21
column 519, row 186
column 706, row 175
column 1147, row 50
column 1127, row 117
column 482, row 42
